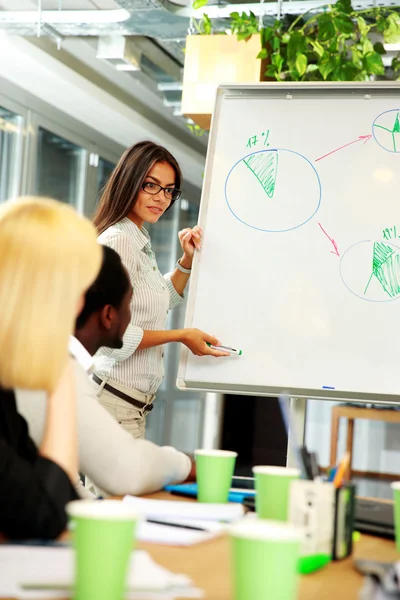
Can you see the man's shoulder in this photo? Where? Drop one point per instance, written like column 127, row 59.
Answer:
column 83, row 381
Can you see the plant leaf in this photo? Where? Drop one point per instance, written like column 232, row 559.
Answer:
column 276, row 43
column 277, row 60
column 362, row 26
column 344, row 6
column 367, row 46
column 326, row 65
column 199, row 4
column 344, row 24
column 285, row 37
column 378, row 47
column 301, row 63
column 374, row 64
column 262, row 54
column 326, row 28
column 356, row 55
column 295, row 45
column 392, row 32
column 381, row 23
column 266, row 34
column 271, row 70
column 396, row 63
column 311, row 68
column 318, row 49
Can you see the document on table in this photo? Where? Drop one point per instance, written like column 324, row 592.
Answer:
column 36, row 572
column 178, row 536
column 191, row 523
column 177, row 511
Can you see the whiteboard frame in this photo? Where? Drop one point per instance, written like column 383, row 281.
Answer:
column 283, row 91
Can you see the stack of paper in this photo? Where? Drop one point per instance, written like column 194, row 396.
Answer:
column 33, row 573
column 190, row 523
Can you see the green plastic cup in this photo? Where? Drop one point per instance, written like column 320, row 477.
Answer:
column 396, row 508
column 273, row 490
column 214, row 470
column 264, row 559
column 103, row 536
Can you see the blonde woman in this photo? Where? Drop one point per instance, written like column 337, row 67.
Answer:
column 48, row 257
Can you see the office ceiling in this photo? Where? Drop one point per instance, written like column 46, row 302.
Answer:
column 157, row 27
column 55, row 4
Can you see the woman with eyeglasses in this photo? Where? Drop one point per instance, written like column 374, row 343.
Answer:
column 144, row 185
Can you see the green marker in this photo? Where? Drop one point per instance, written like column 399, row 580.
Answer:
column 226, row 349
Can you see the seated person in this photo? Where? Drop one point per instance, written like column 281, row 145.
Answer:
column 115, row 462
column 48, row 258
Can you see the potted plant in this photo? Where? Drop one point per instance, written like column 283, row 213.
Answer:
column 339, row 44
column 336, row 44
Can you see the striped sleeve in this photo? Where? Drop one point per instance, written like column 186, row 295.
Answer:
column 175, row 298
column 121, row 243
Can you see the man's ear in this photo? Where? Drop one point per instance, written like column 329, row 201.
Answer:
column 106, row 314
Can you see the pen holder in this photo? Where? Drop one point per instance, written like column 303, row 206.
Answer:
column 312, row 508
column 345, row 501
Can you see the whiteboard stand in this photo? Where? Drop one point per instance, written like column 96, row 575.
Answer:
column 298, row 410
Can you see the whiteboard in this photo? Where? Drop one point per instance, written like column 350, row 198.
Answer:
column 300, row 264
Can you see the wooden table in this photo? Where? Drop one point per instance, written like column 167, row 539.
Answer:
column 208, row 565
column 351, row 413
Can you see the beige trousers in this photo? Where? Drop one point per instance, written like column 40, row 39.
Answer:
column 129, row 417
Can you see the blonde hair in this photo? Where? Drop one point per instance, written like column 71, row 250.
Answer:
column 48, row 257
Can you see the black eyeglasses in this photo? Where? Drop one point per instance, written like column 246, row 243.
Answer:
column 153, row 189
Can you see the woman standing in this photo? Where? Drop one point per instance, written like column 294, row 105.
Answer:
column 145, row 183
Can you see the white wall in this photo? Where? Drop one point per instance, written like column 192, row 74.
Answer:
column 376, row 444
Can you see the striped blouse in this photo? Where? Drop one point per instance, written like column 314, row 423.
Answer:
column 153, row 296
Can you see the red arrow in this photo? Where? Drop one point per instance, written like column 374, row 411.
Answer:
column 331, row 240
column 360, row 138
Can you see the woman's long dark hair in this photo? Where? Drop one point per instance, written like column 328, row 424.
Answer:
column 121, row 190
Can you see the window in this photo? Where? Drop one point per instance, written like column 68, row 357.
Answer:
column 61, row 169
column 104, row 170
column 10, row 153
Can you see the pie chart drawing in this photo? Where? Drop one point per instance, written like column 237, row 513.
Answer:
column 386, row 130
column 371, row 270
column 273, row 190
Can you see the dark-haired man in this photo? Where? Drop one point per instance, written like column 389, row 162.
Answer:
column 111, row 457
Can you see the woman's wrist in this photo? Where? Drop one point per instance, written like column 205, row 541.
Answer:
column 186, row 262
column 179, row 335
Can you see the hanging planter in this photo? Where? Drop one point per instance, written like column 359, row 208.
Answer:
column 211, row 60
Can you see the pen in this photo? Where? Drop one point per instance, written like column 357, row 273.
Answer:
column 181, row 525
column 314, row 465
column 341, row 470
column 332, row 474
column 306, row 461
column 225, row 349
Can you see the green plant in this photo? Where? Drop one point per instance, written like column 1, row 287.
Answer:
column 203, row 26
column 244, row 25
column 195, row 129
column 334, row 45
